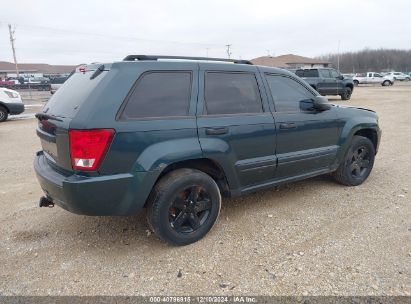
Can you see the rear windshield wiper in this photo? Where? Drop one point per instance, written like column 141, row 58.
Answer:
column 43, row 116
column 99, row 70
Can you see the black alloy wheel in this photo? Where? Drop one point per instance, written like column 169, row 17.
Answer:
column 360, row 162
column 183, row 206
column 357, row 163
column 190, row 209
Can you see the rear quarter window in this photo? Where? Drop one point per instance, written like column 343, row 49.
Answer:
column 159, row 94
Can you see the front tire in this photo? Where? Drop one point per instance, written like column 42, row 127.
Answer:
column 3, row 114
column 347, row 94
column 183, row 206
column 356, row 83
column 386, row 83
column 358, row 162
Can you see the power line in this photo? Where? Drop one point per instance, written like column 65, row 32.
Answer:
column 129, row 38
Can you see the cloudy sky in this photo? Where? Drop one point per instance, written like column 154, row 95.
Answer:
column 81, row 31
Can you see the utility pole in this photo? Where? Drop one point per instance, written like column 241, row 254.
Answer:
column 228, row 50
column 338, row 56
column 12, row 39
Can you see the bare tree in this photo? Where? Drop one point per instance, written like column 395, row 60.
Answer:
column 379, row 60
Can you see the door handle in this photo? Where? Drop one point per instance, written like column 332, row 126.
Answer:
column 216, row 131
column 288, row 125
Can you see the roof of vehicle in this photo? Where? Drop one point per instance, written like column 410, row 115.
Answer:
column 321, row 68
column 156, row 57
column 186, row 60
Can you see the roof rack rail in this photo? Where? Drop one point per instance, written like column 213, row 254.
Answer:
column 156, row 57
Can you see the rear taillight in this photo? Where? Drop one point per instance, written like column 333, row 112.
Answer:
column 88, row 148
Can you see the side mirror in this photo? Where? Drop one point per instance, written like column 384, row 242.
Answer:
column 340, row 77
column 320, row 103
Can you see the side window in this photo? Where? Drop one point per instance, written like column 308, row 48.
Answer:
column 289, row 95
column 325, row 73
column 231, row 93
column 311, row 73
column 159, row 94
column 334, row 74
column 299, row 73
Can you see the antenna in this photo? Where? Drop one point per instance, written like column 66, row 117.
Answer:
column 12, row 39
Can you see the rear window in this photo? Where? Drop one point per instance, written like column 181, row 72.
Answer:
column 310, row 73
column 68, row 99
column 159, row 94
column 307, row 73
column 231, row 93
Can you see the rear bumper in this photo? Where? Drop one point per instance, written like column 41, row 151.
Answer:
column 119, row 194
column 15, row 107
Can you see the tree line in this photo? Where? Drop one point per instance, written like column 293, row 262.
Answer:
column 379, row 60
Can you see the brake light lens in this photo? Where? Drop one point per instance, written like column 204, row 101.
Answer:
column 88, row 148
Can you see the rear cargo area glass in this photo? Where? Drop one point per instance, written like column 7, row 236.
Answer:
column 72, row 94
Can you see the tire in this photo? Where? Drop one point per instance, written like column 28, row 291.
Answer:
column 347, row 94
column 358, row 162
column 386, row 83
column 356, row 83
column 183, row 206
column 407, row 79
column 3, row 114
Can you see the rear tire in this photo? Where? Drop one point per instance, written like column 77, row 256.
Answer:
column 3, row 114
column 347, row 94
column 357, row 163
column 183, row 206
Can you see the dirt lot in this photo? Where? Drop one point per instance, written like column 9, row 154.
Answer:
column 314, row 237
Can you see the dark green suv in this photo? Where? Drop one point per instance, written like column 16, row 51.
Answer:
column 174, row 134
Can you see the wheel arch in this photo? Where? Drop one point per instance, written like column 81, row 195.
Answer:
column 355, row 127
column 4, row 105
column 350, row 85
column 206, row 165
column 369, row 133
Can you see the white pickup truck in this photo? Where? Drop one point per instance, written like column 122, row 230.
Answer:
column 372, row 78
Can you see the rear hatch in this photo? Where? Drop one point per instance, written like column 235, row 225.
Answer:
column 61, row 109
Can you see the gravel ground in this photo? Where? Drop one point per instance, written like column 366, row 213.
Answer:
column 313, row 237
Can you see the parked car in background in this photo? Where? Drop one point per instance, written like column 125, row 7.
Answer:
column 327, row 81
column 10, row 103
column 349, row 75
column 38, row 80
column 56, row 83
column 6, row 83
column 174, row 136
column 373, row 78
column 398, row 76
